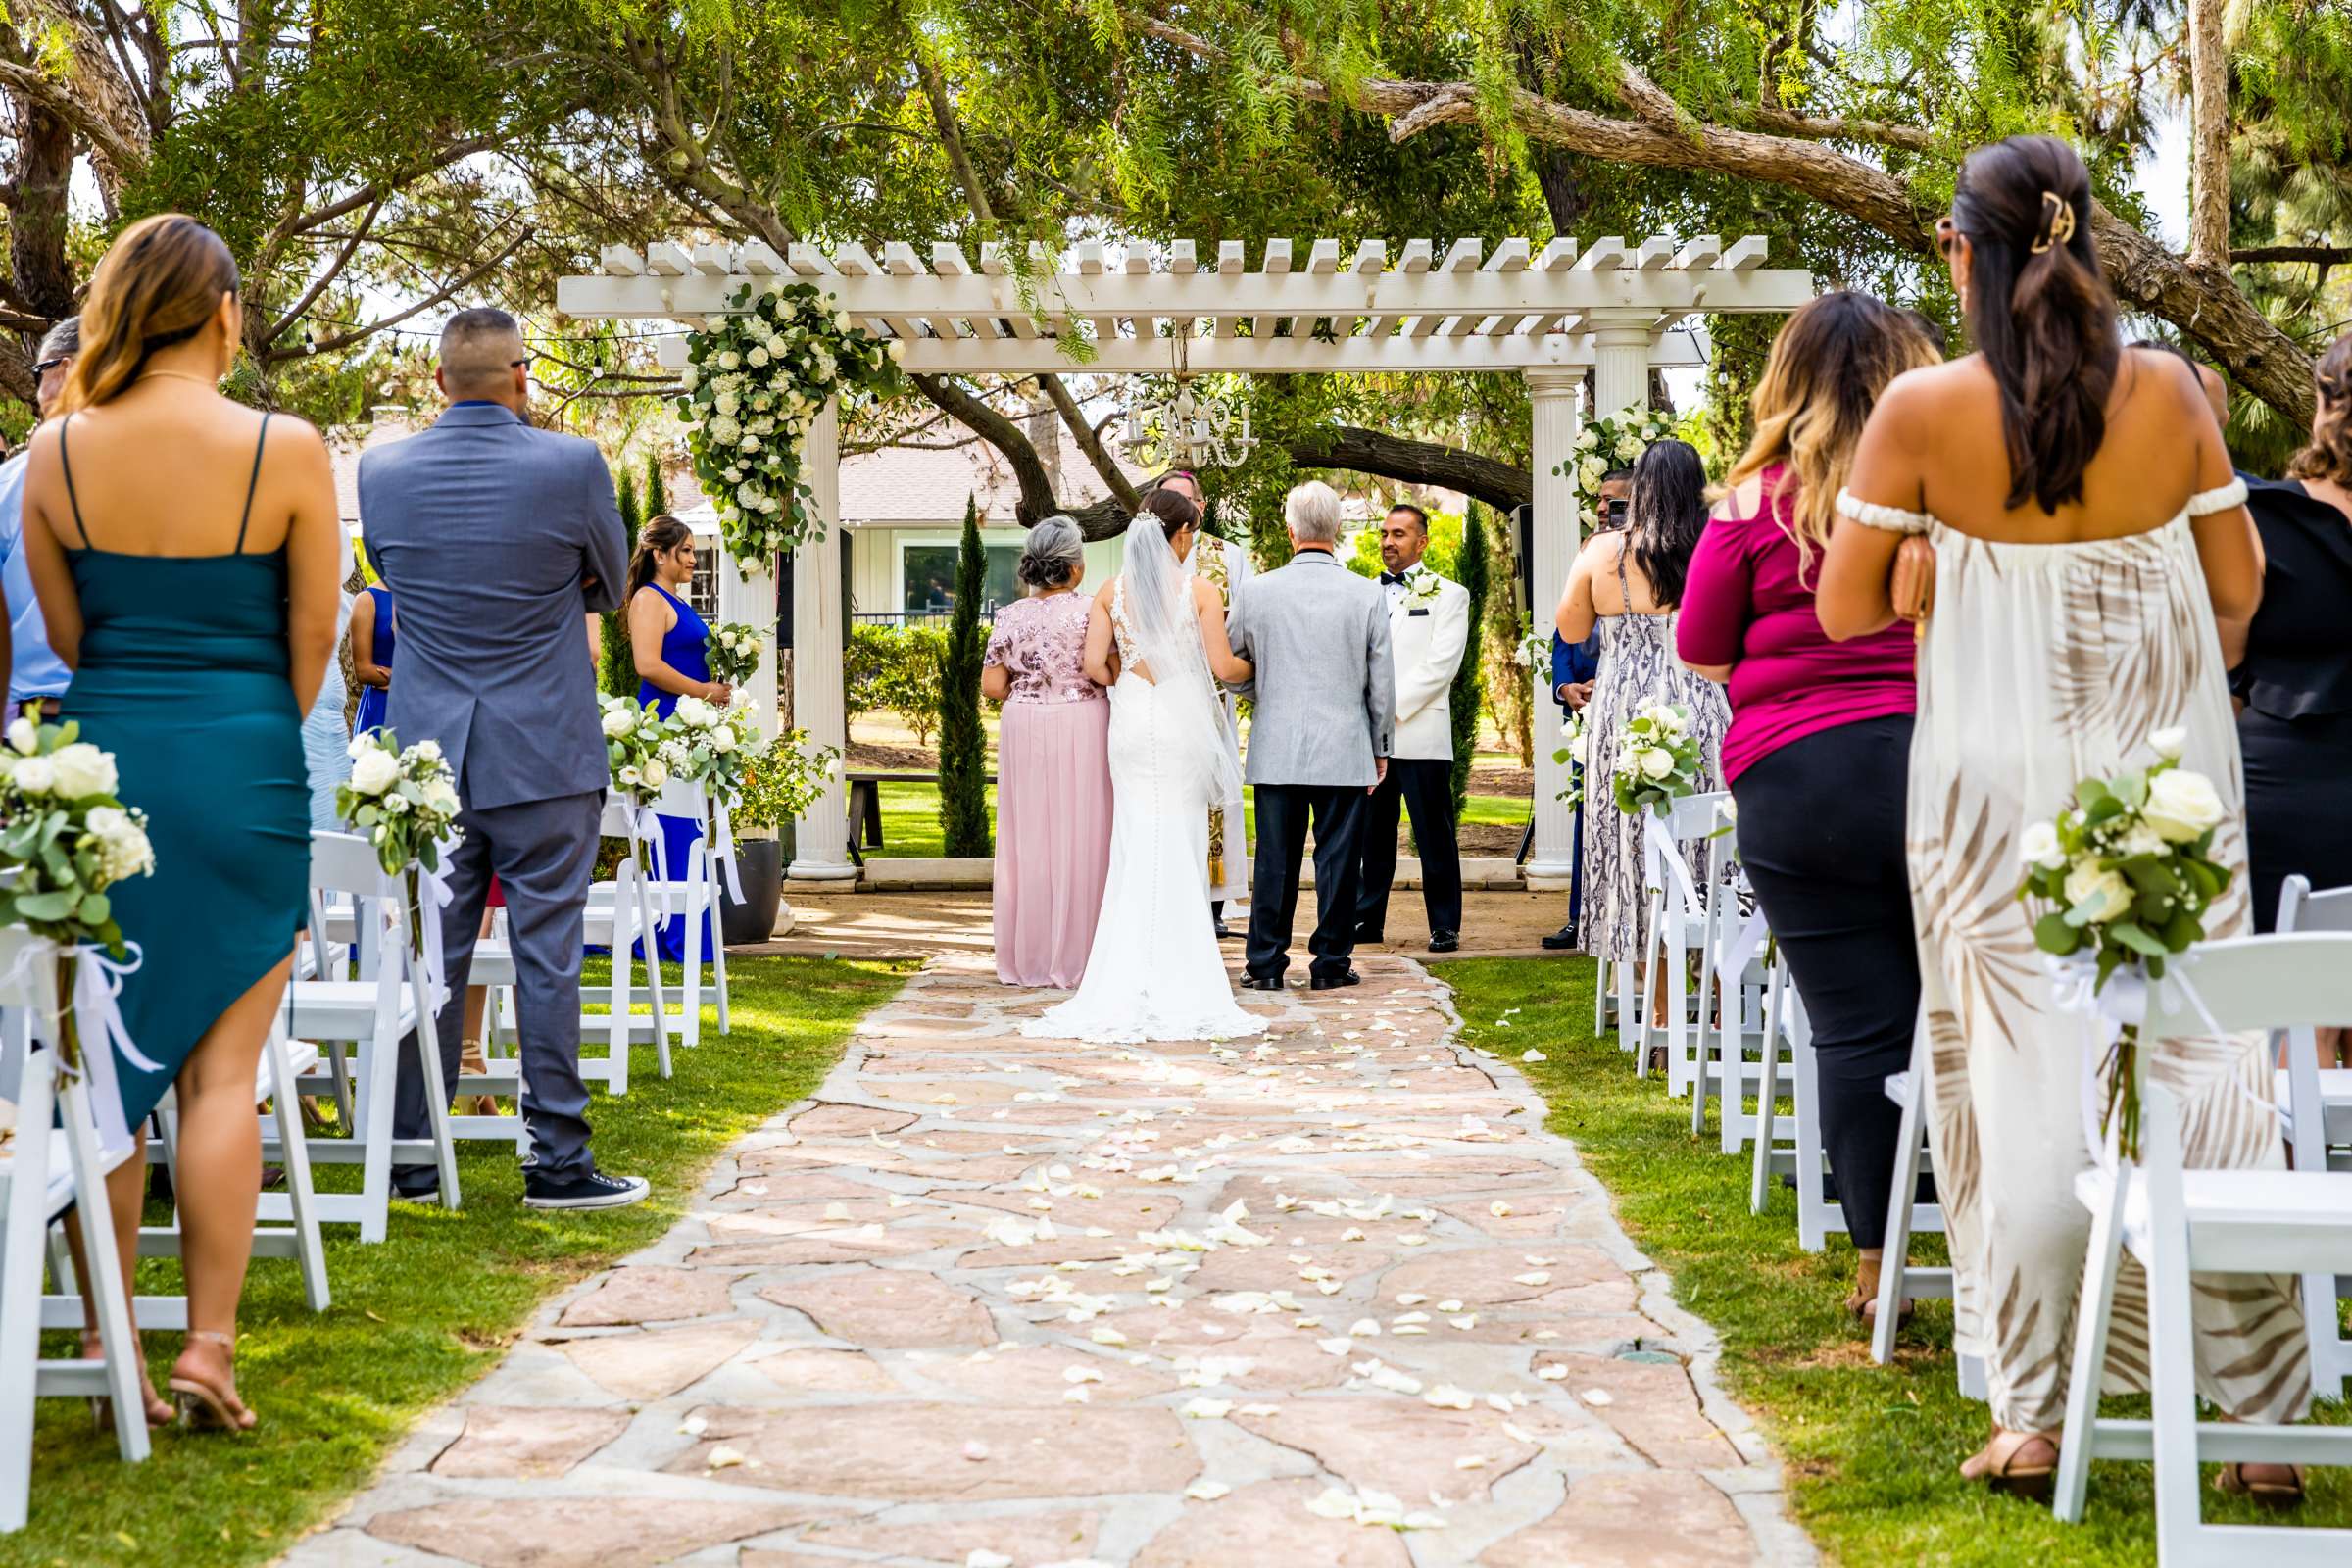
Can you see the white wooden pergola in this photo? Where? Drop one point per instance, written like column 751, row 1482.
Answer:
column 1547, row 312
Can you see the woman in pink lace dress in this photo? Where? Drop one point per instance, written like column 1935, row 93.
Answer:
column 1053, row 770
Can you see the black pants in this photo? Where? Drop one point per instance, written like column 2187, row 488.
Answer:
column 2295, row 822
column 1424, row 788
column 1821, row 833
column 1283, row 814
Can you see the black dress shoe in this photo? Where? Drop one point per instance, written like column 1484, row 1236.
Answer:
column 1333, row 982
column 1444, row 941
column 1562, row 939
column 1262, row 982
column 1365, row 935
column 1218, row 927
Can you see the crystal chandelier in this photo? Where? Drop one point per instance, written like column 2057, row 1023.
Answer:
column 1189, row 430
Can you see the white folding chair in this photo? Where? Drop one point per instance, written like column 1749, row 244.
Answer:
column 694, row 889
column 1678, row 917
column 493, row 968
column 373, row 1017
column 286, row 1224
column 2323, row 1142
column 2179, row 1222
column 1770, row 1156
column 620, row 912
column 1733, row 981
column 48, row 1170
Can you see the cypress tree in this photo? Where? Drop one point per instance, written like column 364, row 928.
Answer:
column 616, row 671
column 962, row 747
column 656, row 492
column 1468, row 697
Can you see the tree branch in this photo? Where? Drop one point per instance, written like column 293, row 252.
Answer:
column 319, row 286
column 1037, row 500
column 2322, row 255
column 359, row 334
column 1090, row 441
column 1420, row 463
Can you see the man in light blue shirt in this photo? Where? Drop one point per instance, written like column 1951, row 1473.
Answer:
column 37, row 674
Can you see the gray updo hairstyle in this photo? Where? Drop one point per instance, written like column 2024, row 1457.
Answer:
column 1054, row 550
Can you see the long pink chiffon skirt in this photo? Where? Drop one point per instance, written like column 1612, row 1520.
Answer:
column 1053, row 838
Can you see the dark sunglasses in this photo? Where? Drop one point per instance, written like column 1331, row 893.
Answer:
column 46, row 365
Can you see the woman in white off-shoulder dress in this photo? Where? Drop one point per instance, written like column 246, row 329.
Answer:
column 2086, row 527
column 1156, row 639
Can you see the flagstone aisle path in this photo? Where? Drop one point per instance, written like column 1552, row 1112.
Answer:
column 990, row 1300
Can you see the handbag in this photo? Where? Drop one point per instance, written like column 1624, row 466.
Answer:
column 1911, row 585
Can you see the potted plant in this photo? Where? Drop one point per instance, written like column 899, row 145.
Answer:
column 779, row 782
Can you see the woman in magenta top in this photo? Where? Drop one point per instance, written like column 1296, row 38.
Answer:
column 1817, row 757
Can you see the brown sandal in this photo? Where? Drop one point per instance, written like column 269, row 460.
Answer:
column 2024, row 1464
column 2266, row 1491
column 1863, row 1304
column 102, row 1408
column 206, row 1406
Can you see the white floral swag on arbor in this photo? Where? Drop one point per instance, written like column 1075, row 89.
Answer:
column 1614, row 441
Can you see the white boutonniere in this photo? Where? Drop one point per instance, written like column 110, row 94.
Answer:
column 1421, row 589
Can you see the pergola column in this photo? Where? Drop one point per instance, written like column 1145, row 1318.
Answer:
column 1620, row 360
column 821, row 842
column 1558, row 533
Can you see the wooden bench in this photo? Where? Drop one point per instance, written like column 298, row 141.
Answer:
column 865, row 807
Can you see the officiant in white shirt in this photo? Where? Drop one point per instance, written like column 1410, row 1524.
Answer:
column 1428, row 625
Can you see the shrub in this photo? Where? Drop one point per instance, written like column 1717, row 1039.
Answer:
column 1468, row 696
column 962, row 745
column 896, row 669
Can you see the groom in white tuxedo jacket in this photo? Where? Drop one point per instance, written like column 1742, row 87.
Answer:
column 1429, row 626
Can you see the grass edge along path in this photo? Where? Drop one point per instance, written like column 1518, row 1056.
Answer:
column 1871, row 1453
column 422, row 1315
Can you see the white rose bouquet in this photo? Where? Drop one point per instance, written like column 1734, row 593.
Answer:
column 1574, row 750
column 405, row 802
column 2122, row 878
column 1657, row 760
column 733, row 651
column 754, row 381
column 64, row 839
column 710, row 745
column 634, row 737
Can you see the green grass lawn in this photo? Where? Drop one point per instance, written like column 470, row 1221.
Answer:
column 1872, row 1452
column 910, row 827
column 417, row 1318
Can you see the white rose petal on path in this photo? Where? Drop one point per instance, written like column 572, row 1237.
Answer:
column 1207, row 1410
column 1533, row 1054
column 1596, row 1398
column 1206, row 1491
column 1539, row 1277
column 982, row 1558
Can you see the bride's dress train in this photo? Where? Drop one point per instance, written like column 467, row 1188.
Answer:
column 1154, row 971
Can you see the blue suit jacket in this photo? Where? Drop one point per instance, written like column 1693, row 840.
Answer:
column 1573, row 661
column 488, row 533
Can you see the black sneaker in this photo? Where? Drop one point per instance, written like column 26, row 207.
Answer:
column 594, row 1190
column 424, row 1190
column 1562, row 940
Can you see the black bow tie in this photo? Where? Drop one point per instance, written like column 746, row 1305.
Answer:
column 1399, row 579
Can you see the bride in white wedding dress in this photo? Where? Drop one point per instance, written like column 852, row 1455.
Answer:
column 1157, row 637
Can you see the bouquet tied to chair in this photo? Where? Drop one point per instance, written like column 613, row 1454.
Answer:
column 64, row 839
column 2118, row 882
column 405, row 804
column 1657, row 760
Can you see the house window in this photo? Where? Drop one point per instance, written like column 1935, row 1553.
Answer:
column 703, row 592
column 927, row 578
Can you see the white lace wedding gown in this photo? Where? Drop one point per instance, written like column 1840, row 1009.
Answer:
column 1153, row 971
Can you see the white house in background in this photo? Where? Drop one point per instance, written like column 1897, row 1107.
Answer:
column 902, row 510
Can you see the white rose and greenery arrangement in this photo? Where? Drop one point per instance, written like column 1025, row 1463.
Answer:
column 756, row 379
column 1657, row 760
column 2120, row 880
column 634, row 735
column 1574, row 750
column 404, row 803
column 1614, row 441
column 64, row 839
column 732, row 651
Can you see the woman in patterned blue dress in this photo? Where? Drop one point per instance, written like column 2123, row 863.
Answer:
column 669, row 641
column 372, row 639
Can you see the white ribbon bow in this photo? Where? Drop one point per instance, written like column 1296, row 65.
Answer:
column 2106, row 1009
column 722, row 845
column 97, row 987
column 645, row 828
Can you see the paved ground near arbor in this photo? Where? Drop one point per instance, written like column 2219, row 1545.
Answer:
column 993, row 1301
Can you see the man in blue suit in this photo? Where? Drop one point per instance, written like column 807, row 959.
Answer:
column 1573, row 667
column 495, row 538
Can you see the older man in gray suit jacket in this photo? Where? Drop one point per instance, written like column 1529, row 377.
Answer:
column 1324, row 718
column 495, row 538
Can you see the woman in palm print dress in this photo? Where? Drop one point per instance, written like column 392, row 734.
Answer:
column 2086, row 528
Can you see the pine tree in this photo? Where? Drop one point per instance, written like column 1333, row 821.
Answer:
column 656, row 492
column 962, row 748
column 1468, row 698
column 616, row 671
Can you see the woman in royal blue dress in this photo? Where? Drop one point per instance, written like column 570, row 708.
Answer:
column 372, row 636
column 669, row 641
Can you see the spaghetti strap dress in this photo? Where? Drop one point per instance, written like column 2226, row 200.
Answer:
column 376, row 700
column 686, row 649
column 185, row 678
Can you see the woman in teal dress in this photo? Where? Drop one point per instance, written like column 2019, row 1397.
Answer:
column 670, row 642
column 195, row 599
